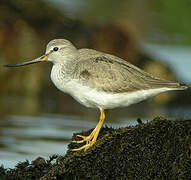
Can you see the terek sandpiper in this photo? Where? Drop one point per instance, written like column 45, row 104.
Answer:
column 99, row 80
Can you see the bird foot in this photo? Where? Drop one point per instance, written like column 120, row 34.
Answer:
column 84, row 138
column 90, row 140
column 86, row 146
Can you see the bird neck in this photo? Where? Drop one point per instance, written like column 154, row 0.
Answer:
column 64, row 70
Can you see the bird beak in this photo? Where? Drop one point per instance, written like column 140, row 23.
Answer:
column 37, row 60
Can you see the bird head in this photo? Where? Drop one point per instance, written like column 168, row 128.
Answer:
column 57, row 51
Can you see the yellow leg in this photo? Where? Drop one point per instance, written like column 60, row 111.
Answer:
column 91, row 139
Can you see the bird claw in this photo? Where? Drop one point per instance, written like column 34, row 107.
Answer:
column 90, row 140
column 84, row 138
column 85, row 147
column 81, row 141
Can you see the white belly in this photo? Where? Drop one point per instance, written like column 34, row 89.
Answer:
column 98, row 99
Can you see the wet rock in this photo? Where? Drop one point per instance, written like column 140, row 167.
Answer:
column 26, row 171
column 159, row 149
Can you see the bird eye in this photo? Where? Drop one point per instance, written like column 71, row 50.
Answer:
column 55, row 49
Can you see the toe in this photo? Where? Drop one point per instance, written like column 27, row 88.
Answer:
column 83, row 147
column 81, row 141
column 83, row 137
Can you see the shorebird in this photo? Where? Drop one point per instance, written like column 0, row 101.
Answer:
column 99, row 80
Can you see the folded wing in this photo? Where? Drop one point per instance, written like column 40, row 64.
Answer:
column 112, row 74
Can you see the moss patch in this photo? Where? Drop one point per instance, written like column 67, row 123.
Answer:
column 160, row 149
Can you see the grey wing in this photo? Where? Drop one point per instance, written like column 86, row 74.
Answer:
column 111, row 74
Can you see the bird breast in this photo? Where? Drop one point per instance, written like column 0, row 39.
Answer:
column 60, row 77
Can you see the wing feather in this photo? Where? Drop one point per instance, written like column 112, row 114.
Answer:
column 112, row 74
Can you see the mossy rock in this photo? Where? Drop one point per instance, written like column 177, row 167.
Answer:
column 159, row 149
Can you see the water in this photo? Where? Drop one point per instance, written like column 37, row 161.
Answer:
column 29, row 137
column 24, row 138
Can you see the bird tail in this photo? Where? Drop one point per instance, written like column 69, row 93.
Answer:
column 158, row 83
column 176, row 86
column 182, row 86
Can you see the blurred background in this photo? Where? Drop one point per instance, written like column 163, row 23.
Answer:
column 36, row 118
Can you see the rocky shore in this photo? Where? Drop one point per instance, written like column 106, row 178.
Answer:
column 159, row 149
